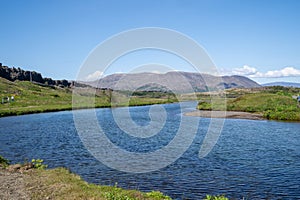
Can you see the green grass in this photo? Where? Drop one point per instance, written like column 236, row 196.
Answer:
column 33, row 98
column 274, row 103
column 60, row 183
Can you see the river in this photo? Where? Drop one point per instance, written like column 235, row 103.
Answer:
column 252, row 159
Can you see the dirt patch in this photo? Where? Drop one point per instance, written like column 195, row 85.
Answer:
column 225, row 114
column 12, row 185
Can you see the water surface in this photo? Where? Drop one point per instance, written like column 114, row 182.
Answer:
column 252, row 159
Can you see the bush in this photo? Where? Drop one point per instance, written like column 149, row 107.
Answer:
column 4, row 162
column 157, row 195
column 203, row 105
column 218, row 197
column 38, row 164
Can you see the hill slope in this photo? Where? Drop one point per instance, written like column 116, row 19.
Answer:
column 31, row 97
column 175, row 81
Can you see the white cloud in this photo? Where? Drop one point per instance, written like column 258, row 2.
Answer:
column 245, row 71
column 94, row 76
column 242, row 71
column 254, row 73
column 285, row 72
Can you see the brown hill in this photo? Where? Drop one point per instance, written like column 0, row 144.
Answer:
column 172, row 81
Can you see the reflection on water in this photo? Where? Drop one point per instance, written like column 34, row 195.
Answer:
column 252, row 159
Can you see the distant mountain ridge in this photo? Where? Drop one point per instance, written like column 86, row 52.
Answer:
column 285, row 84
column 172, row 81
column 176, row 81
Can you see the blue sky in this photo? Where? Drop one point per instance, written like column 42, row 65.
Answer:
column 259, row 39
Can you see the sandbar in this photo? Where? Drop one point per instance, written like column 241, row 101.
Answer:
column 225, row 114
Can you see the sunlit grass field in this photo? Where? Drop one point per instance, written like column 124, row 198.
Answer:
column 275, row 103
column 34, row 98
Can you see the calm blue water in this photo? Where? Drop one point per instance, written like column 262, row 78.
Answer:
column 252, row 159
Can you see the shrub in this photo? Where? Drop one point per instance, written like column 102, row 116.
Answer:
column 4, row 162
column 203, row 105
column 218, row 197
column 38, row 164
column 157, row 195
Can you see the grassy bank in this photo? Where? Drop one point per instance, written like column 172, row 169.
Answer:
column 33, row 98
column 59, row 183
column 276, row 103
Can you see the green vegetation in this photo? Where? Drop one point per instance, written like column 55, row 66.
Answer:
column 35, row 98
column 38, row 164
column 60, row 183
column 32, row 98
column 274, row 103
column 3, row 162
column 219, row 197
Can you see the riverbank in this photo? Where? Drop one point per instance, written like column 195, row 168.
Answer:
column 60, row 183
column 225, row 114
column 29, row 98
column 273, row 103
column 35, row 110
column 31, row 180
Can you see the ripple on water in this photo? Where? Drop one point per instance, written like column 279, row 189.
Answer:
column 252, row 159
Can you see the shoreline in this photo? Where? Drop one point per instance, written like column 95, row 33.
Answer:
column 225, row 114
column 24, row 181
column 70, row 108
column 195, row 113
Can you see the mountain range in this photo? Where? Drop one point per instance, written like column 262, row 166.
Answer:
column 175, row 81
column 285, row 84
column 172, row 81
